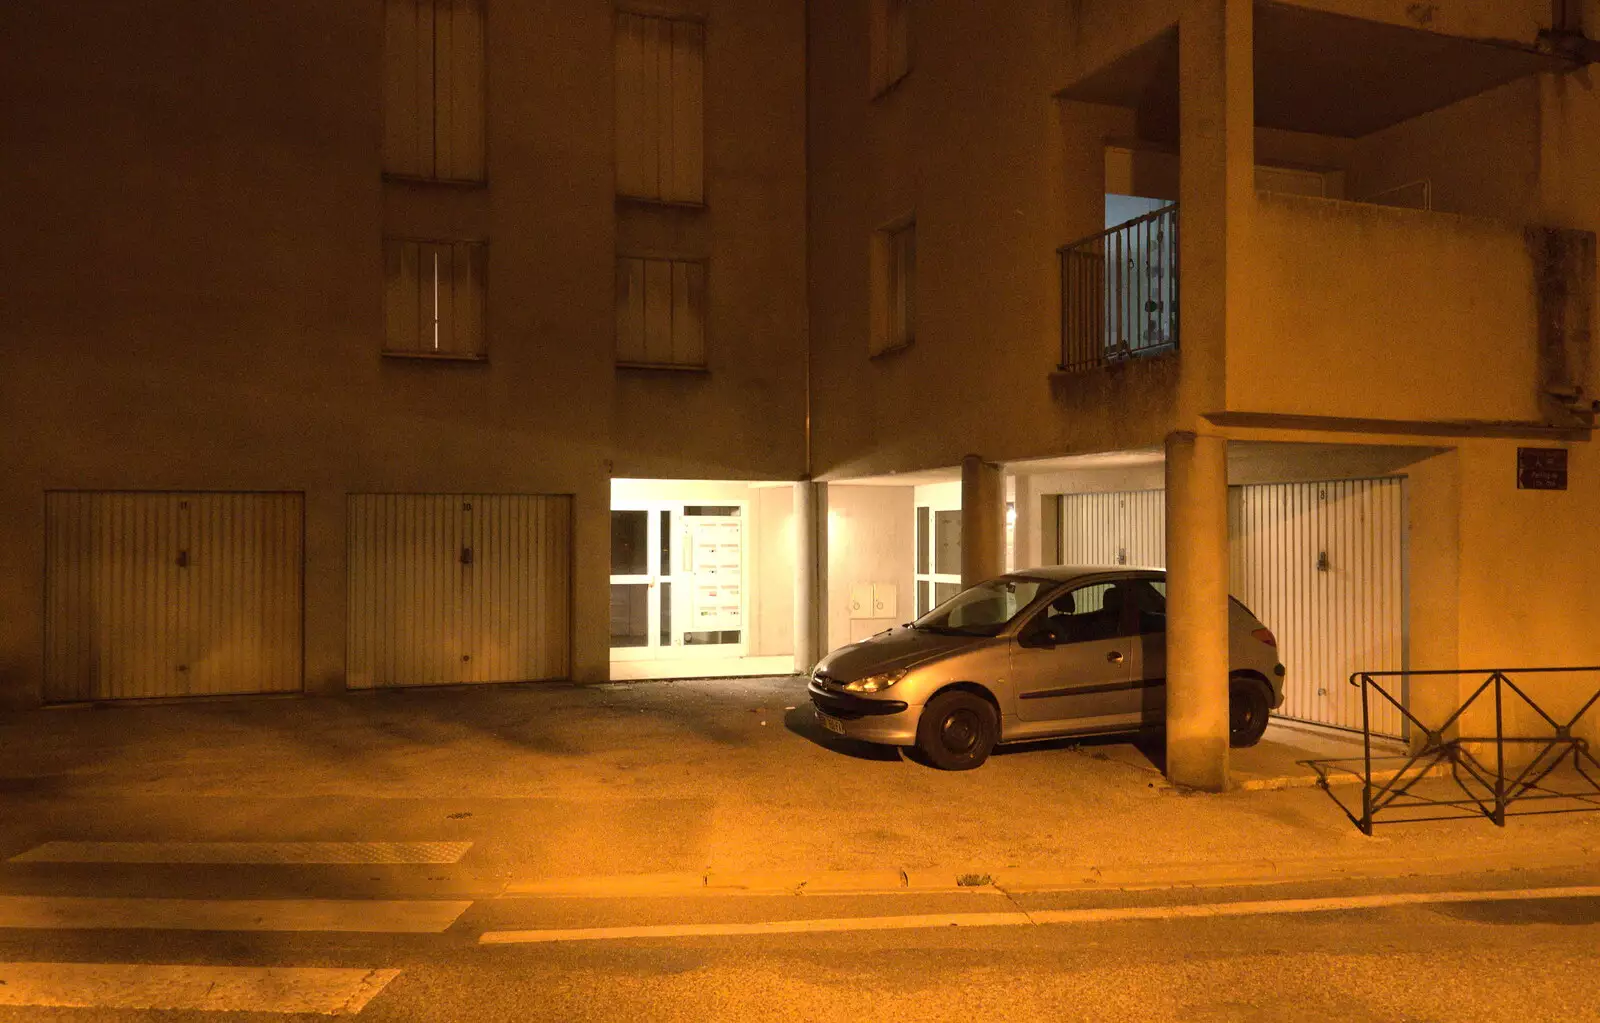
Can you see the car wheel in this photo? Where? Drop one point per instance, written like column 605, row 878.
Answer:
column 1247, row 713
column 957, row 730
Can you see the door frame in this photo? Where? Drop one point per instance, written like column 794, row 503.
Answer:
column 681, row 581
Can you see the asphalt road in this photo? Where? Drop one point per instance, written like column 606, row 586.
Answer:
column 1447, row 949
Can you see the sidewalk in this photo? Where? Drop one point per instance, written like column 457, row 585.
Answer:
column 691, row 781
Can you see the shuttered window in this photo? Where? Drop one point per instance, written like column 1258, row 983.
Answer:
column 434, row 298
column 891, row 43
column 661, row 312
column 434, row 89
column 895, row 287
column 660, row 109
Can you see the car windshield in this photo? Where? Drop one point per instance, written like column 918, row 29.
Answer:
column 984, row 609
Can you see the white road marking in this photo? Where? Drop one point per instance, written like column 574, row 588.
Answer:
column 245, row 852
column 1021, row 918
column 36, row 912
column 330, row 992
column 864, row 923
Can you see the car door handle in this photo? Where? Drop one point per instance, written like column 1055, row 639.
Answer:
column 1115, row 657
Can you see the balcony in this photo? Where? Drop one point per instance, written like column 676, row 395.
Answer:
column 1349, row 311
column 1119, row 292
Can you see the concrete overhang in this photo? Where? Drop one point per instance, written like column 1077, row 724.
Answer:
column 1324, row 73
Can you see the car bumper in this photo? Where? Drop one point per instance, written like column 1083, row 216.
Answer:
column 891, row 722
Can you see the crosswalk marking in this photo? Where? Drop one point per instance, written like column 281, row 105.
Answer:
column 1025, row 918
column 423, row 916
column 245, row 852
column 324, row 990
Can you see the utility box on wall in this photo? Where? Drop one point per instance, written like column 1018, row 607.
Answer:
column 873, row 608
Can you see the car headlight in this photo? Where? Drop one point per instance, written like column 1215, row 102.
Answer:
column 875, row 683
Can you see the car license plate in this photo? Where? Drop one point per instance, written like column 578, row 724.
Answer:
column 831, row 724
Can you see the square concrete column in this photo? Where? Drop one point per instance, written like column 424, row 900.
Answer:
column 1197, row 611
column 810, row 572
column 1216, row 194
column 983, row 520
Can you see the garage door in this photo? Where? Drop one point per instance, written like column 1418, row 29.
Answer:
column 1127, row 528
column 172, row 594
column 1323, row 564
column 448, row 588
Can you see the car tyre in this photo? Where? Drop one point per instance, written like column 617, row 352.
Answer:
column 957, row 730
column 1248, row 711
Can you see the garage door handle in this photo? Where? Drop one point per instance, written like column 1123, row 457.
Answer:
column 1115, row 657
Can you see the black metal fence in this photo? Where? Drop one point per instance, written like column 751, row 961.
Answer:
column 1481, row 772
column 1119, row 292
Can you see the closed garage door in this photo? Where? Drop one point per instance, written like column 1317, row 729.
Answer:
column 1321, row 563
column 448, row 588
column 172, row 594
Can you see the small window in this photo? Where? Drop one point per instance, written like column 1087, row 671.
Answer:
column 895, row 287
column 433, row 80
column 661, row 313
column 891, row 43
column 660, row 83
column 434, row 298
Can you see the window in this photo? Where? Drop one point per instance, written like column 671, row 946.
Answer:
column 938, row 564
column 433, row 110
column 984, row 609
column 895, row 287
column 660, row 109
column 661, row 312
column 891, row 43
column 434, row 297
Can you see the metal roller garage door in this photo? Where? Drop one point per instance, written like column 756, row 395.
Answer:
column 448, row 588
column 172, row 594
column 1323, row 564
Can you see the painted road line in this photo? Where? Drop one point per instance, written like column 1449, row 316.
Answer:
column 328, row 991
column 865, row 923
column 1022, row 918
column 364, row 853
column 423, row 916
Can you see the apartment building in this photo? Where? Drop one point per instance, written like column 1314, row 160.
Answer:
column 437, row 341
column 1382, row 352
column 330, row 325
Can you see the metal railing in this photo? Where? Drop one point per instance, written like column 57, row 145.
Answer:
column 1119, row 292
column 1476, row 765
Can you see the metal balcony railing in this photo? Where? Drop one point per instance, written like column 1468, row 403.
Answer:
column 1119, row 292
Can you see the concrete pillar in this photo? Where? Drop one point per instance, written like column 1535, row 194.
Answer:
column 983, row 520
column 1025, row 532
column 810, row 564
column 1197, row 611
column 1216, row 194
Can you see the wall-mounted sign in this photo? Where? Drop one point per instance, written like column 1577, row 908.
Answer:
column 1541, row 469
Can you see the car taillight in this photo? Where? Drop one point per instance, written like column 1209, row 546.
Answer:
column 1265, row 635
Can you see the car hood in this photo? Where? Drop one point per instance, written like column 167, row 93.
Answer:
column 900, row 647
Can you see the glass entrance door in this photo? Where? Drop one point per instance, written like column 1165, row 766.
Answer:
column 677, row 580
column 641, row 587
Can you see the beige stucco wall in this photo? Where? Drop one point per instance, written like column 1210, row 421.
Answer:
column 195, row 209
column 999, row 175
column 1364, row 311
column 871, row 539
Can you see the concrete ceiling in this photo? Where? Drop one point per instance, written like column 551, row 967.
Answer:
column 1324, row 73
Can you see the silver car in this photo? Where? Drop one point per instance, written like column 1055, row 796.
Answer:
column 1036, row 654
